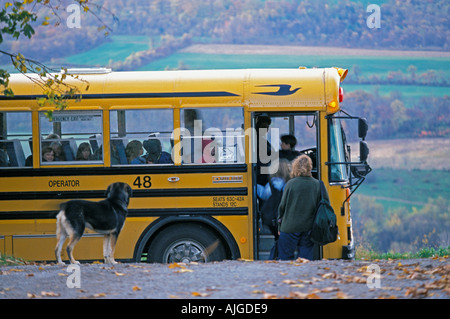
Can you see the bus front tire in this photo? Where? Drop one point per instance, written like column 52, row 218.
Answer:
column 186, row 243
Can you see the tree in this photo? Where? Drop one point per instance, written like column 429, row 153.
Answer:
column 18, row 18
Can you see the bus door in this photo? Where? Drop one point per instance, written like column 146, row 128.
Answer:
column 280, row 138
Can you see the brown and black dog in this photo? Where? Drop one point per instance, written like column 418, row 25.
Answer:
column 105, row 217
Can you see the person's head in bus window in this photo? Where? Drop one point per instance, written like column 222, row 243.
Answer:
column 84, row 152
column 134, row 151
column 288, row 142
column 58, row 150
column 155, row 154
column 154, row 150
column 48, row 155
column 263, row 121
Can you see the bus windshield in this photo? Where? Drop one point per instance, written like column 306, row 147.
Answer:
column 338, row 172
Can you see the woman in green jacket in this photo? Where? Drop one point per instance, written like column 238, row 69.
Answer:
column 296, row 211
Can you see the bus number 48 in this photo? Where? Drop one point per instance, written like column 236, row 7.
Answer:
column 144, row 182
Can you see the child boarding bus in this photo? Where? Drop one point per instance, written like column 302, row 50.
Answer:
column 186, row 142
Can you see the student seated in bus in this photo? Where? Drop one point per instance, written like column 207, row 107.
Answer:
column 48, row 155
column 155, row 154
column 4, row 162
column 58, row 149
column 84, row 152
column 134, row 153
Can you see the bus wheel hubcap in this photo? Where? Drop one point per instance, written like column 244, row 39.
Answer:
column 185, row 251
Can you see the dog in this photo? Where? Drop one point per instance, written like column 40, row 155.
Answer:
column 106, row 217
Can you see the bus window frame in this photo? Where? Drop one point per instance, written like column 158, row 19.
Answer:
column 72, row 163
column 293, row 114
column 341, row 159
column 182, row 126
column 16, row 137
column 122, row 129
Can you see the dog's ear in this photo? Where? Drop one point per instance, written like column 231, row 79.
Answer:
column 108, row 190
column 129, row 190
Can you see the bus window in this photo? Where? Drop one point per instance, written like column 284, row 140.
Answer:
column 338, row 172
column 212, row 135
column 71, row 137
column 15, row 139
column 141, row 137
column 301, row 126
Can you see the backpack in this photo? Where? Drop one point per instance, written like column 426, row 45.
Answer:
column 324, row 229
column 269, row 209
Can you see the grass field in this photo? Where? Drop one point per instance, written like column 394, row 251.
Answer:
column 395, row 188
column 407, row 172
column 370, row 63
column 118, row 49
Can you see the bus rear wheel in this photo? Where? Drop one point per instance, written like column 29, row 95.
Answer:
column 186, row 243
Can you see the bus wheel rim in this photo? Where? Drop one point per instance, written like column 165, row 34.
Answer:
column 185, row 251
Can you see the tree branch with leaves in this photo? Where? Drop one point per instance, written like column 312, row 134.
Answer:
column 17, row 19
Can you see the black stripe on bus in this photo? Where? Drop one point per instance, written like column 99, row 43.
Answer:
column 241, row 211
column 123, row 170
column 148, row 95
column 179, row 192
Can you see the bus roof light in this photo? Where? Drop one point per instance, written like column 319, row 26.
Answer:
column 342, row 73
column 333, row 104
column 341, row 94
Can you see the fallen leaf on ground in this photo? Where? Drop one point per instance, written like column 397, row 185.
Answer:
column 136, row 288
column 342, row 295
column 329, row 289
column 184, row 270
column 416, row 292
column 302, row 260
column 50, row 294
column 297, row 295
column 256, row 291
column 329, row 275
column 298, row 286
column 270, row 296
column 199, row 294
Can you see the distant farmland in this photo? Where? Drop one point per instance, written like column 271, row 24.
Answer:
column 369, row 62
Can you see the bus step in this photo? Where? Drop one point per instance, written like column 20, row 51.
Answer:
column 263, row 255
column 266, row 243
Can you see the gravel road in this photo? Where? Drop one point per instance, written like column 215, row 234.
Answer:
column 325, row 279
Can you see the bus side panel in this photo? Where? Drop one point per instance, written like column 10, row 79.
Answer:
column 337, row 196
column 129, row 236
column 239, row 228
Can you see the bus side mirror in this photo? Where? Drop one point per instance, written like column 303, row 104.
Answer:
column 363, row 151
column 363, row 127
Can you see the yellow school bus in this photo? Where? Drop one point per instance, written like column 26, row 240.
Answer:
column 186, row 142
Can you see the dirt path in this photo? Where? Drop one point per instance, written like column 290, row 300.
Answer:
column 325, row 279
